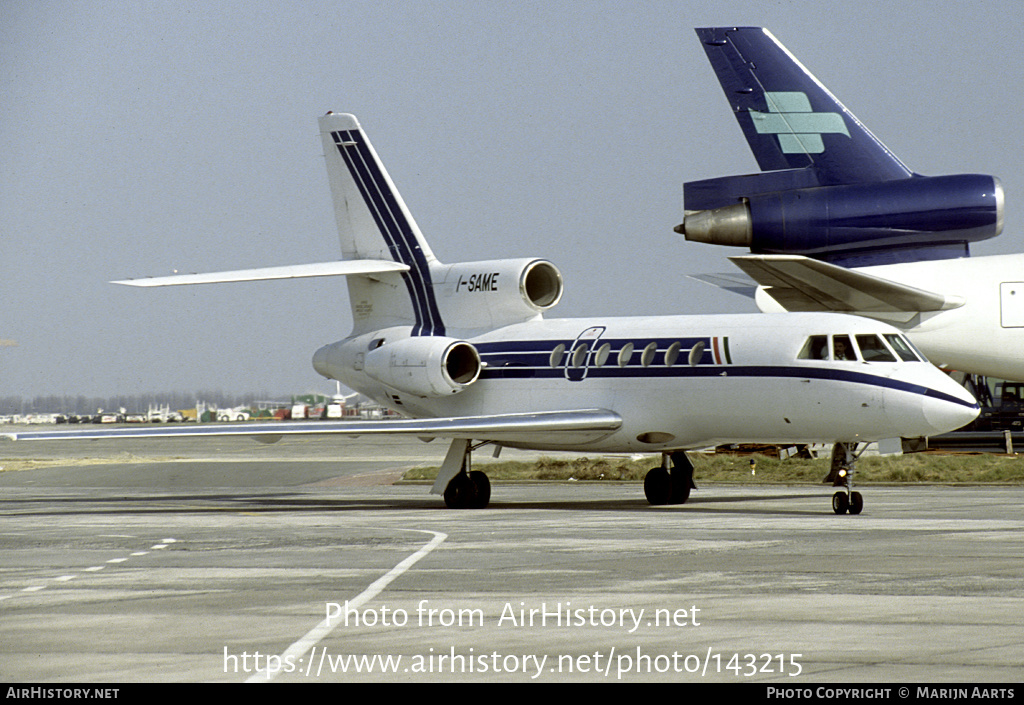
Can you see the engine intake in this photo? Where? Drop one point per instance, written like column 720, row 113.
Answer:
column 540, row 284
column 424, row 366
column 497, row 292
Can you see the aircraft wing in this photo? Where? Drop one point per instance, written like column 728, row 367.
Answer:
column 577, row 426
column 803, row 284
column 730, row 281
column 341, row 268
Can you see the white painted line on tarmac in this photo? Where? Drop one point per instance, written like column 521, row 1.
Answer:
column 296, row 652
column 92, row 569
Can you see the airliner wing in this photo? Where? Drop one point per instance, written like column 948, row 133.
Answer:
column 730, row 281
column 570, row 427
column 294, row 271
column 802, row 284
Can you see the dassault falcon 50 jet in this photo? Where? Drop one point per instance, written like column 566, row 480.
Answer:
column 464, row 351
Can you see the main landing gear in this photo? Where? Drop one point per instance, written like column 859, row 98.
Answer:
column 844, row 458
column 464, row 488
column 470, row 489
column 665, row 485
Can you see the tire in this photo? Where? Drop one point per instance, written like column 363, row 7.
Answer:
column 460, row 492
column 680, row 490
column 658, row 486
column 481, row 489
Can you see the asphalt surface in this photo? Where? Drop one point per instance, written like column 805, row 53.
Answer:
column 231, row 561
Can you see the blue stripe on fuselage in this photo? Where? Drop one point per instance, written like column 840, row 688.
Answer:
column 538, row 352
column 394, row 227
column 531, row 359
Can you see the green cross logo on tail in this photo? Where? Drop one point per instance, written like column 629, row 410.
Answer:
column 798, row 128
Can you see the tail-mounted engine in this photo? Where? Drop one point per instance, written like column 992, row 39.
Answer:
column 424, row 366
column 471, row 295
column 496, row 292
column 427, row 366
column 916, row 212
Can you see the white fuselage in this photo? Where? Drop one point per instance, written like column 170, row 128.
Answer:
column 706, row 380
column 985, row 336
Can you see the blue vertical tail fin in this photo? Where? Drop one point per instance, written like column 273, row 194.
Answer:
column 790, row 120
column 827, row 188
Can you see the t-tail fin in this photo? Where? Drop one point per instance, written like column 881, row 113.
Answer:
column 375, row 224
column 790, row 120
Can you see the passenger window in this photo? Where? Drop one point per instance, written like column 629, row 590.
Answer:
column 816, row 348
column 648, row 355
column 556, row 355
column 872, row 349
column 842, row 348
column 579, row 355
column 696, row 353
column 672, row 354
column 625, row 354
column 902, row 347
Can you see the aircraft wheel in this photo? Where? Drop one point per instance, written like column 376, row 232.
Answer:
column 682, row 478
column 840, row 503
column 658, row 486
column 680, row 489
column 481, row 489
column 460, row 492
column 856, row 503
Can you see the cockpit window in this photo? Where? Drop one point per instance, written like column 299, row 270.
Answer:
column 902, row 347
column 873, row 349
column 842, row 348
column 816, row 348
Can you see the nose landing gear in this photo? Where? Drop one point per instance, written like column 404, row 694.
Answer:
column 844, row 459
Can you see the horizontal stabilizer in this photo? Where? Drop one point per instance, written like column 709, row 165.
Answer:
column 569, row 427
column 294, row 271
column 803, row 284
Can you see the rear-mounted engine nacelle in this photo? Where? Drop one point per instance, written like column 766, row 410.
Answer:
column 497, row 292
column 425, row 367
column 918, row 211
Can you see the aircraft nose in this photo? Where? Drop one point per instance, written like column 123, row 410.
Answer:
column 943, row 406
column 949, row 408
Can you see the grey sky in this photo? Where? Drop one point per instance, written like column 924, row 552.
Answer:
column 137, row 138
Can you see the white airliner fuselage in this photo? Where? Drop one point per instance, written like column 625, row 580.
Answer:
column 984, row 336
